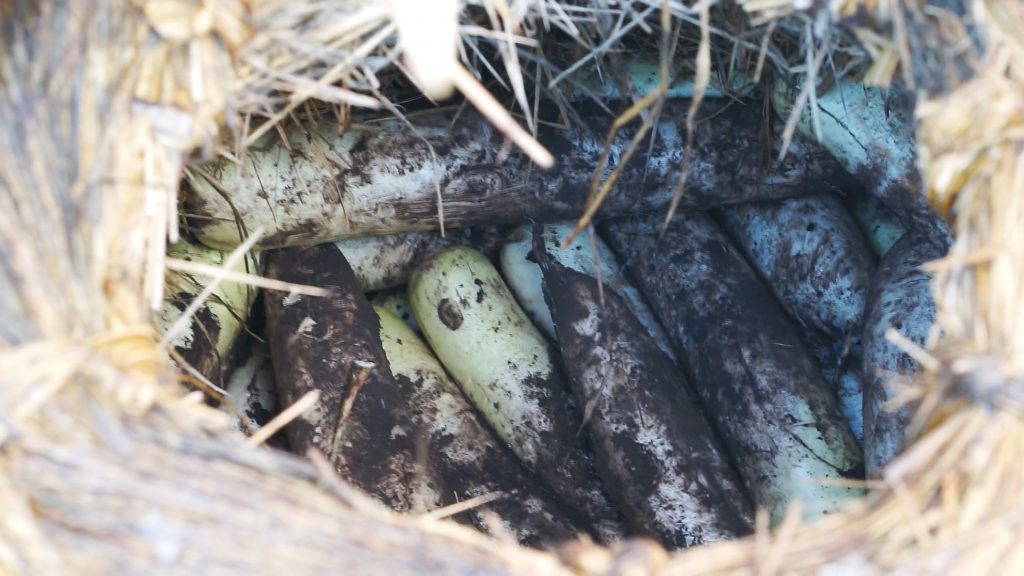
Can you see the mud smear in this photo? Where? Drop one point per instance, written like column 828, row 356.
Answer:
column 201, row 352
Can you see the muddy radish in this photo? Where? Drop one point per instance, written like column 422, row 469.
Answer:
column 333, row 345
column 381, row 177
column 813, row 256
column 901, row 299
column 209, row 336
column 656, row 453
column 744, row 357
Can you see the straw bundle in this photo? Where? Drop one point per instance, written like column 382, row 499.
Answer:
column 109, row 465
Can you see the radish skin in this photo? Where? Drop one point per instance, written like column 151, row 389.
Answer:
column 382, row 262
column 871, row 133
column 380, row 177
column 841, row 365
column 396, row 302
column 880, row 225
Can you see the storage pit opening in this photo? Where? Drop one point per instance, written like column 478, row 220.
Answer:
column 806, row 237
column 884, row 532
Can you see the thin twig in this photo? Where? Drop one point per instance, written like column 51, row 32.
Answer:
column 308, row 400
column 191, row 267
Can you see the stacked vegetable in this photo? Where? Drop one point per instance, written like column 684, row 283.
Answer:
column 633, row 380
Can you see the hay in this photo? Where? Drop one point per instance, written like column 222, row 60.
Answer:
column 108, row 465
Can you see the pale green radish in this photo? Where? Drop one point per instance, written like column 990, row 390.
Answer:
column 870, row 131
column 880, row 224
column 211, row 332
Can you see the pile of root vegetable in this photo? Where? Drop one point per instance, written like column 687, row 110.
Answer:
column 632, row 377
column 511, row 287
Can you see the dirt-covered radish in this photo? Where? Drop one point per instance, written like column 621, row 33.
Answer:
column 815, row 259
column 754, row 376
column 463, row 456
column 812, row 255
column 901, row 299
column 382, row 262
column 523, row 276
column 333, row 345
column 210, row 334
column 870, row 131
column 381, row 177
column 657, row 455
column 505, row 366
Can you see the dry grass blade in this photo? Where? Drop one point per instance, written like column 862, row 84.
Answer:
column 700, row 85
column 190, row 267
column 502, row 120
column 807, row 95
column 458, row 508
column 502, row 20
column 598, row 193
column 277, row 423
column 196, row 377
